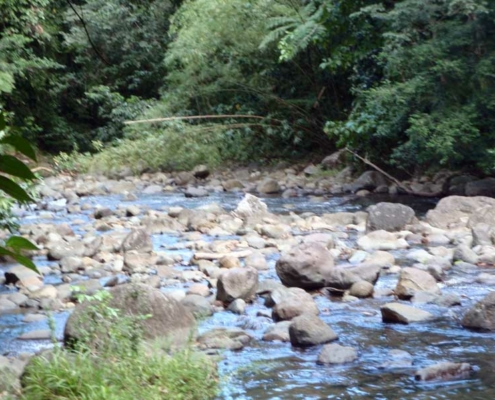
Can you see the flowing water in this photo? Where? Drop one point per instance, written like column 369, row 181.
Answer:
column 277, row 370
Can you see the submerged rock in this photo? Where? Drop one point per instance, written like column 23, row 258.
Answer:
column 336, row 354
column 444, row 371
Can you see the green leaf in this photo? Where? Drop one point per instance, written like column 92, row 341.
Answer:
column 15, row 167
column 21, row 145
column 19, row 258
column 14, row 190
column 20, row 243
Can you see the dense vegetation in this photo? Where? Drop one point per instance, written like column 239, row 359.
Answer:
column 408, row 83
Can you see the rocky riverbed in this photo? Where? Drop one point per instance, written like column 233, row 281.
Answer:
column 305, row 295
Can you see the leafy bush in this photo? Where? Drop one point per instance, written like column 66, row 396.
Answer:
column 120, row 367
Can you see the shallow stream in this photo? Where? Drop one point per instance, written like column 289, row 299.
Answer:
column 273, row 370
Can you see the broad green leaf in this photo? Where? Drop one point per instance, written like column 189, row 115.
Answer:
column 15, row 167
column 14, row 190
column 19, row 258
column 21, row 145
column 20, row 243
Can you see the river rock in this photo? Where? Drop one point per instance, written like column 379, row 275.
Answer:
column 444, row 371
column 232, row 184
column 201, row 171
column 344, row 277
column 361, row 289
column 237, row 283
column 334, row 353
column 41, row 334
column 412, row 280
column 309, row 330
column 257, row 261
column 238, row 306
column 325, row 239
column 482, row 187
column 466, row 254
column 369, row 180
column 102, row 212
column 60, row 249
column 482, row 315
column 22, row 276
column 198, row 305
column 381, row 240
column 401, row 313
column 306, row 266
column 184, row 178
column 168, row 318
column 389, row 217
column 224, row 338
column 268, row 186
column 6, row 305
column 196, row 192
column 483, row 234
column 71, row 264
column 278, row 231
column 278, row 332
column 250, row 206
column 455, row 211
column 293, row 307
column 397, row 359
column 139, row 240
column 334, row 160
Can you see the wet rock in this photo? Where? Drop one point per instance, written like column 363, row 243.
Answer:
column 184, row 178
column 169, row 319
column 482, row 315
column 257, row 261
column 401, row 313
column 306, row 266
column 42, row 334
column 229, row 262
column 361, row 289
column 199, row 289
column 238, row 306
column 132, row 211
column 60, row 249
column 278, row 332
column 444, row 371
column 309, row 330
column 71, row 264
column 464, row 253
column 412, row 280
column 278, row 231
column 198, row 305
column 237, row 283
column 344, row 277
column 325, row 239
column 381, row 240
column 232, row 184
column 6, row 305
column 22, row 276
column 224, row 338
column 482, row 187
column 391, row 217
column 196, row 192
column 397, row 359
column 336, row 354
column 268, row 186
column 448, row 300
column 250, row 206
column 455, row 211
column 34, row 318
column 102, row 212
column 139, row 240
column 369, row 180
column 291, row 303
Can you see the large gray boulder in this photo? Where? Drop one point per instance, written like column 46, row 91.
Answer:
column 413, row 280
column 250, row 206
column 60, row 249
column 306, row 266
column 483, row 187
column 482, row 315
column 237, row 283
column 455, row 211
column 167, row 319
column 309, row 330
column 389, row 217
column 334, row 353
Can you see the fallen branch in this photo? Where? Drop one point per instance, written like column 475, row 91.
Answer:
column 218, row 256
column 396, row 181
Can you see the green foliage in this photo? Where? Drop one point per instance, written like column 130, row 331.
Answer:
column 121, row 367
column 435, row 103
